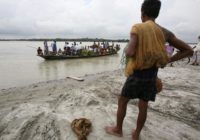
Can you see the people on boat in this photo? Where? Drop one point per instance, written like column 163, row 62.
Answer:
column 197, row 53
column 117, row 47
column 94, row 45
column 96, row 51
column 66, row 44
column 79, row 50
column 46, row 48
column 67, row 49
column 39, row 51
column 60, row 51
column 106, row 45
column 54, row 47
column 73, row 49
column 104, row 48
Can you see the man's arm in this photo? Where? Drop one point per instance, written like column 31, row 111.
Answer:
column 130, row 51
column 184, row 49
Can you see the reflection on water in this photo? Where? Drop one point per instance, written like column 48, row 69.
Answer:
column 59, row 69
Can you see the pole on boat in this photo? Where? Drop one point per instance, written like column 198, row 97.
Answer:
column 32, row 47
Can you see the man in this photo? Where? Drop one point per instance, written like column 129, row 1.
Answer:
column 46, row 48
column 196, row 53
column 146, row 54
column 39, row 51
column 54, row 47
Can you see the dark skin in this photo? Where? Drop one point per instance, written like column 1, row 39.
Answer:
column 184, row 51
column 130, row 51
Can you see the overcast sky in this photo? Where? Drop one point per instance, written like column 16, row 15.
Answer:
column 92, row 18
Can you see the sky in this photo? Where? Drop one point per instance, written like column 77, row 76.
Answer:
column 111, row 19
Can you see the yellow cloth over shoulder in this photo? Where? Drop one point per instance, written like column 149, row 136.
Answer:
column 150, row 50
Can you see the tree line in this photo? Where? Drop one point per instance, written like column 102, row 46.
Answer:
column 70, row 40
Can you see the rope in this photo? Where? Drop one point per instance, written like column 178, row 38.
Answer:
column 123, row 60
column 82, row 128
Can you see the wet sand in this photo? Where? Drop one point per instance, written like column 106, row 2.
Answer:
column 45, row 110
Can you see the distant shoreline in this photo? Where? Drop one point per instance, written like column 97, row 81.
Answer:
column 78, row 40
column 71, row 40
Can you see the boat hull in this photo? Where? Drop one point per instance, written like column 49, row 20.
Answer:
column 60, row 57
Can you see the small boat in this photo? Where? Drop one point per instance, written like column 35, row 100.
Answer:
column 68, row 53
column 57, row 57
column 89, row 54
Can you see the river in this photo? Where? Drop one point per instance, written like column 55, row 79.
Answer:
column 20, row 66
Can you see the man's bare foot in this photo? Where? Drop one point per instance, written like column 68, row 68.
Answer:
column 135, row 136
column 113, row 131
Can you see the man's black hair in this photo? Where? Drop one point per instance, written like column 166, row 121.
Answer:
column 151, row 8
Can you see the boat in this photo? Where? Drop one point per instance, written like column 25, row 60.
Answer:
column 58, row 57
column 89, row 54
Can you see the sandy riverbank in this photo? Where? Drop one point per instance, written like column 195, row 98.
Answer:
column 45, row 110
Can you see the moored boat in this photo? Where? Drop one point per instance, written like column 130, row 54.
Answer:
column 60, row 57
column 75, row 51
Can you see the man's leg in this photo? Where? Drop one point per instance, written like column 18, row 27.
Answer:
column 121, row 113
column 141, row 118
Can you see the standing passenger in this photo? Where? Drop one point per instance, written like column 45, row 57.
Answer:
column 46, row 48
column 197, row 53
column 54, row 48
column 60, row 51
column 39, row 51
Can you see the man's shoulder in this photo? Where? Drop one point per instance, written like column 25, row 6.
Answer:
column 164, row 29
column 136, row 27
column 138, row 24
column 168, row 34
